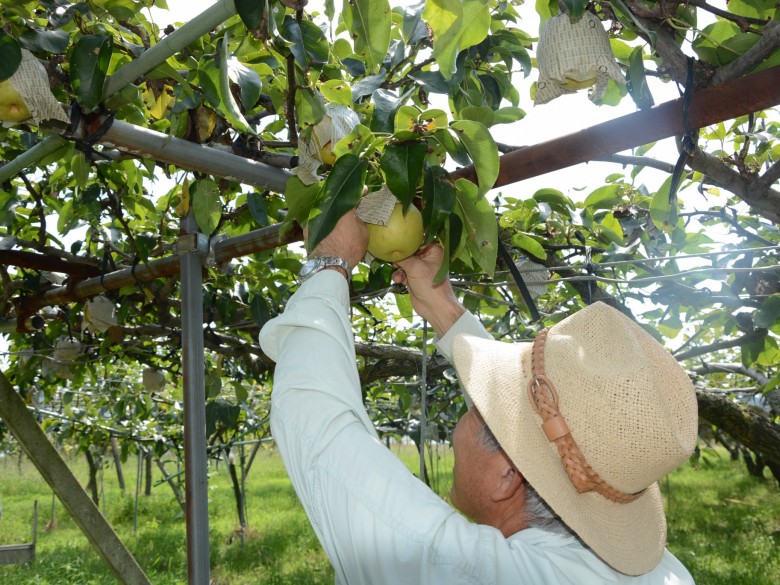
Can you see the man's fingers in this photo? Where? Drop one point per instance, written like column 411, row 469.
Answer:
column 399, row 277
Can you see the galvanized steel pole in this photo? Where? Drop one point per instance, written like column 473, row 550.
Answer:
column 193, row 375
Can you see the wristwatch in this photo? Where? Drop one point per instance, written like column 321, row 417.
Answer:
column 318, row 263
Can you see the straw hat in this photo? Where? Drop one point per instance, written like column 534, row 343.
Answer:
column 625, row 415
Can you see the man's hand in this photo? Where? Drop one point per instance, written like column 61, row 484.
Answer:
column 348, row 240
column 435, row 303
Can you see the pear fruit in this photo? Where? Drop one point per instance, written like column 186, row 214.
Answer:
column 400, row 238
column 573, row 84
column 12, row 108
column 325, row 151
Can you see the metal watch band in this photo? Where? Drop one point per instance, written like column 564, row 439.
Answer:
column 319, row 263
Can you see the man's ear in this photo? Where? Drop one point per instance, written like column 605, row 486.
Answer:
column 509, row 481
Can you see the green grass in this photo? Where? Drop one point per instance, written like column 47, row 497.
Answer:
column 723, row 524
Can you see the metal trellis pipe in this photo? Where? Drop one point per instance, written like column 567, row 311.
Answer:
column 194, row 381
column 194, row 157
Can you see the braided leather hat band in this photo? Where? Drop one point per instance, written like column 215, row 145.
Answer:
column 544, row 399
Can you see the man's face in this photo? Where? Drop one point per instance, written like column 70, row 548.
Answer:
column 470, row 486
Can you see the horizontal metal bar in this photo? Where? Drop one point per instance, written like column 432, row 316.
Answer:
column 252, row 242
column 194, row 157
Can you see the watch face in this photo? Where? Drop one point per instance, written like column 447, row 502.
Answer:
column 309, row 267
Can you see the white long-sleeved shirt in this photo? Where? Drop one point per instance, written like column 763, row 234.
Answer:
column 377, row 522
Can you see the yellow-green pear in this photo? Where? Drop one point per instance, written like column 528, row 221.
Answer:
column 12, row 108
column 400, row 238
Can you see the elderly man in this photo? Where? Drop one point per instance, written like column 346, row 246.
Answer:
column 556, row 461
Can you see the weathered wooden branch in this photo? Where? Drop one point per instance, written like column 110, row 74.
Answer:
column 754, row 56
column 750, row 427
column 752, row 189
column 720, row 345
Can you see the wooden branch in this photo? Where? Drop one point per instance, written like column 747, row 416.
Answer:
column 751, row 428
column 766, row 45
column 742, row 21
column 643, row 161
column 720, row 345
column 731, row 369
column 752, row 190
column 33, row 261
column 772, row 175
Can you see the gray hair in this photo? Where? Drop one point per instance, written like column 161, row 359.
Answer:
column 538, row 513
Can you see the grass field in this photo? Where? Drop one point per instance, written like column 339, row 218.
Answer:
column 724, row 525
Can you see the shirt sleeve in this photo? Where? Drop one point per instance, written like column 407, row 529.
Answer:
column 376, row 520
column 466, row 324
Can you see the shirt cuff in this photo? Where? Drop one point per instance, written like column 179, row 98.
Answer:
column 467, row 323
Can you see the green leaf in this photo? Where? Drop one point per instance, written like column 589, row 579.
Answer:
column 402, row 165
column 404, row 304
column 722, row 42
column 228, row 102
column 39, row 39
column 453, row 147
column 479, row 224
column 300, row 198
column 769, row 312
column 529, row 245
column 258, row 307
column 631, row 22
column 308, row 108
column 369, row 23
column 315, row 43
column 207, row 205
column 575, row 8
column 337, row 91
column 612, row 229
column 292, row 34
column 241, row 392
column 663, row 214
column 546, row 9
column 481, row 114
column 605, row 197
column 340, row 193
column 89, row 63
column 637, row 82
column 507, row 115
column 482, row 149
column 256, row 203
column 248, row 81
column 438, row 200
column 251, row 12
column 457, row 25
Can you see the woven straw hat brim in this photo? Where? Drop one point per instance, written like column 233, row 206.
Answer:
column 630, row 537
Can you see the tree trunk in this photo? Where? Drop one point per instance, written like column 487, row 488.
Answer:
column 118, row 464
column 172, row 482
column 148, row 476
column 92, row 485
column 239, row 495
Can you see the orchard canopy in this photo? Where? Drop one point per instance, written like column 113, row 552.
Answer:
column 259, row 116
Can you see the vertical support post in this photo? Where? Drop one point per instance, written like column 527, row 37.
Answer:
column 190, row 249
